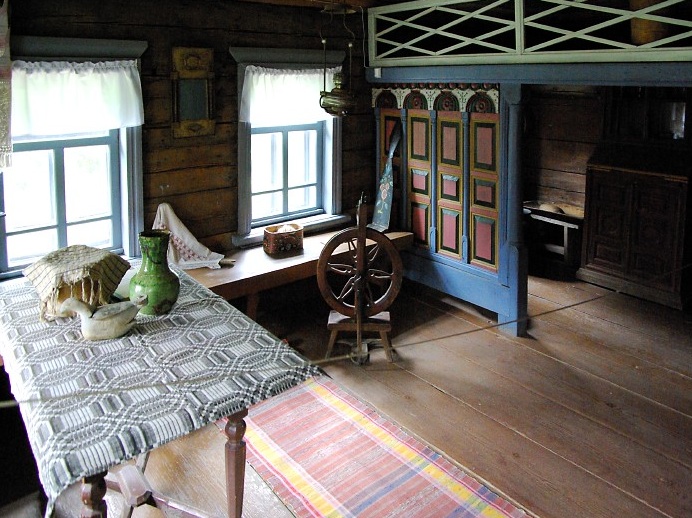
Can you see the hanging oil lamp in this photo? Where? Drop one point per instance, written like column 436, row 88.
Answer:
column 339, row 101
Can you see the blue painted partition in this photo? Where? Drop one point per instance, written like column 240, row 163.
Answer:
column 481, row 258
column 503, row 292
column 451, row 46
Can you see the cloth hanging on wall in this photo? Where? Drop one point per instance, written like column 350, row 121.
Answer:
column 5, row 87
column 183, row 248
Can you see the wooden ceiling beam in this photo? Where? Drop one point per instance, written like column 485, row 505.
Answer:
column 323, row 4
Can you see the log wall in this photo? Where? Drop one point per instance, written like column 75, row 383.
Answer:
column 562, row 127
column 198, row 176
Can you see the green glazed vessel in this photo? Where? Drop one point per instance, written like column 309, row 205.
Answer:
column 154, row 278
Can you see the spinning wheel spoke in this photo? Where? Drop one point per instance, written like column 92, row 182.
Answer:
column 347, row 290
column 378, row 271
column 379, row 276
column 373, row 253
column 353, row 248
column 342, row 269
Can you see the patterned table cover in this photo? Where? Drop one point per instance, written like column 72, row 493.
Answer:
column 88, row 406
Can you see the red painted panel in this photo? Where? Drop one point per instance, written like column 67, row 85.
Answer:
column 449, row 231
column 450, row 187
column 450, row 150
column 419, row 223
column 484, row 193
column 484, row 145
column 419, row 182
column 483, row 237
column 420, row 144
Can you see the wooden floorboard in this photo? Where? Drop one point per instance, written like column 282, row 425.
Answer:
column 492, row 451
column 590, row 415
column 523, row 392
column 555, row 337
column 601, row 391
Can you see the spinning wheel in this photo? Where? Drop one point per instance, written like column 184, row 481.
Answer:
column 359, row 274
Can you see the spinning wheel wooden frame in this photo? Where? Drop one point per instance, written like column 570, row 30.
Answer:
column 359, row 273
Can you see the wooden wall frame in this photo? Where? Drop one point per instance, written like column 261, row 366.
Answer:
column 192, row 81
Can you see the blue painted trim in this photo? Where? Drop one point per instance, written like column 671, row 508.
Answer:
column 74, row 49
column 515, row 256
column 461, row 281
column 405, row 186
column 636, row 74
column 423, row 254
column 432, row 232
column 466, row 178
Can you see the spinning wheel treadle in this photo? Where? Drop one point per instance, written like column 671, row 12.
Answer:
column 359, row 274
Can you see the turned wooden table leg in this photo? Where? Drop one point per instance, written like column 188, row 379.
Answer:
column 93, row 491
column 235, row 463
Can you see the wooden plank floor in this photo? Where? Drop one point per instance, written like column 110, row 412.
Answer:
column 590, row 415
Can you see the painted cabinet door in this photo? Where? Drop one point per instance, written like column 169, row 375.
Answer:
column 420, row 175
column 450, row 175
column 484, row 190
column 450, row 184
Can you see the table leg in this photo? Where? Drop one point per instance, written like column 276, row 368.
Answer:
column 93, row 491
column 252, row 303
column 235, row 462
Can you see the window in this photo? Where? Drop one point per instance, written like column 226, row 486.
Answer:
column 287, row 172
column 289, row 166
column 59, row 193
column 76, row 175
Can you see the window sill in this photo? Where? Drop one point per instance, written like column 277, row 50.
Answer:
column 310, row 224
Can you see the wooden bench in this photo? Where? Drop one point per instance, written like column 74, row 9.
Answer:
column 255, row 271
column 568, row 245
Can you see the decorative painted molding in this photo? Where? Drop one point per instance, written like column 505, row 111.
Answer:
column 470, row 97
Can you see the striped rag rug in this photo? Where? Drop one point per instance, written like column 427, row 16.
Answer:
column 326, row 453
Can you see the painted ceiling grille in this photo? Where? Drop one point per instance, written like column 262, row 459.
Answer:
column 442, row 32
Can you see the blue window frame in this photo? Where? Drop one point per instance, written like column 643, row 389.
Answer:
column 286, row 172
column 59, row 193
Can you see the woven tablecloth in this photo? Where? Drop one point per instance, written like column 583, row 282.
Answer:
column 90, row 405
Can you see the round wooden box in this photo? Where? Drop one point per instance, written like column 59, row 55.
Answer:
column 282, row 238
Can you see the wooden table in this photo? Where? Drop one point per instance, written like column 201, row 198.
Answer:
column 88, row 406
column 255, row 271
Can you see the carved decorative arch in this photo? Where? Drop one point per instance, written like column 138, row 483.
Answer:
column 480, row 103
column 415, row 101
column 386, row 99
column 446, row 102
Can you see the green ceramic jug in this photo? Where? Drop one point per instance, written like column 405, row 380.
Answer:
column 154, row 278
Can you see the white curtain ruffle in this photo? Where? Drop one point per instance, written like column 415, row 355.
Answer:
column 52, row 98
column 281, row 97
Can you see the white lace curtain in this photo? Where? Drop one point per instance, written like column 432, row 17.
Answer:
column 51, row 98
column 279, row 97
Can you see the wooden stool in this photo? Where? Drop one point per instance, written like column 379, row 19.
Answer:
column 377, row 323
